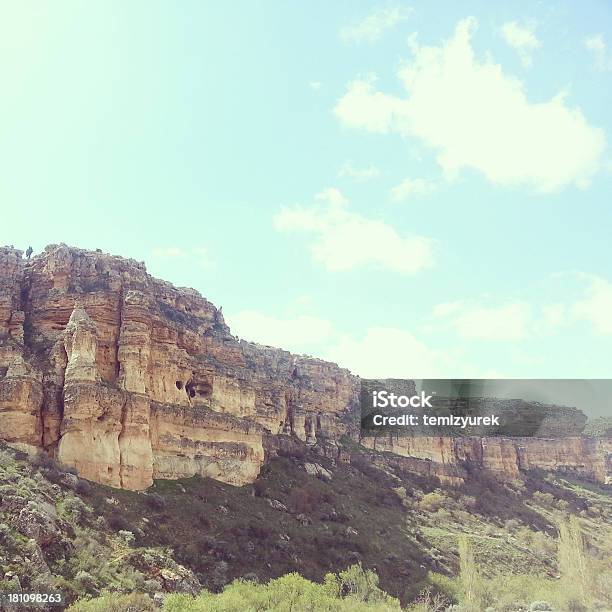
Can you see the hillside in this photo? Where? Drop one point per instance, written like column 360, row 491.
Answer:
column 147, row 451
column 304, row 513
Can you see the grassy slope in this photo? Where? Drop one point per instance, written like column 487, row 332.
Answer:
column 396, row 523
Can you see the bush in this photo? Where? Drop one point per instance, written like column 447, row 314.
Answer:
column 83, row 487
column 118, row 522
column 85, row 581
column 432, row 502
column 74, row 508
column 354, row 590
column 127, row 537
column 44, row 461
column 114, row 602
column 6, row 459
column 356, row 583
column 429, row 601
column 545, row 499
column 156, row 502
column 259, row 488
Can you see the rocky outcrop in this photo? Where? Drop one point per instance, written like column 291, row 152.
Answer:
column 128, row 378
column 450, row 459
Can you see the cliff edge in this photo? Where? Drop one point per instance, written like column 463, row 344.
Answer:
column 128, row 379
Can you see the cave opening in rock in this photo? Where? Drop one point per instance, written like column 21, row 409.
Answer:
column 179, row 384
column 190, row 389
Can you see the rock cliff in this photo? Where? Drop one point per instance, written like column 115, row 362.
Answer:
column 128, row 378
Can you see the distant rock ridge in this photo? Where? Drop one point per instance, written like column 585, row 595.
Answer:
column 128, row 379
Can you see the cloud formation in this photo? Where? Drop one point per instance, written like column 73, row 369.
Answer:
column 297, row 334
column 373, row 26
column 343, row 240
column 359, row 174
column 474, row 116
column 522, row 39
column 473, row 321
column 411, row 187
column 387, row 352
column 380, row 352
column 596, row 306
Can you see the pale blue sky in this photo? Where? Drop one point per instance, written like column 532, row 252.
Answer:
column 410, row 189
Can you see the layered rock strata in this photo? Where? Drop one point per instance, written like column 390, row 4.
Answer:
column 450, row 459
column 128, row 378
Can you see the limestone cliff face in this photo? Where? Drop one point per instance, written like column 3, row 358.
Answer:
column 449, row 459
column 128, row 378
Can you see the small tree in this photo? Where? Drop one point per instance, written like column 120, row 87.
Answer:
column 471, row 582
column 574, row 565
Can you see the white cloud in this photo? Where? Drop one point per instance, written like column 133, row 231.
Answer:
column 360, row 174
column 597, row 46
column 372, row 27
column 446, row 308
column 332, row 196
column 362, row 107
column 316, row 85
column 521, row 38
column 475, row 116
column 382, row 352
column 596, row 307
column 554, row 315
column 411, row 187
column 293, row 333
column 507, row 323
column 344, row 240
column 385, row 352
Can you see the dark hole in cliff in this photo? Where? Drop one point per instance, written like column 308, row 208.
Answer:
column 189, row 389
column 318, row 421
column 179, row 384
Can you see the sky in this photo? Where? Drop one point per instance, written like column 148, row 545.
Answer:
column 416, row 190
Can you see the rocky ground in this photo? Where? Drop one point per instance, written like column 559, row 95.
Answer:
column 304, row 513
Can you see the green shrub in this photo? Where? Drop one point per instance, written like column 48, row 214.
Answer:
column 357, row 583
column 353, row 590
column 115, row 602
column 432, row 502
column 472, row 588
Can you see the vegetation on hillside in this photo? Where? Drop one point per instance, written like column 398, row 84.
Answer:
column 581, row 586
column 340, row 539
